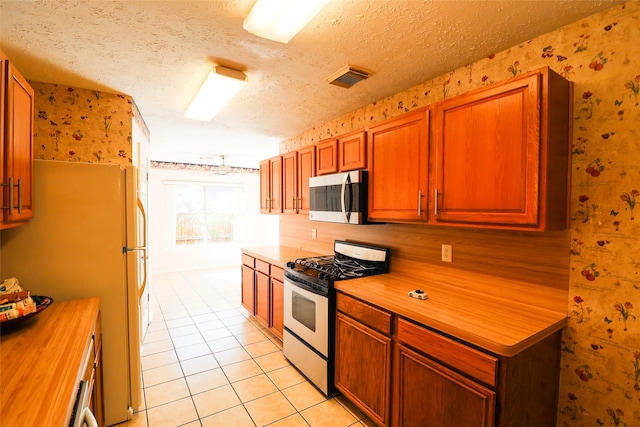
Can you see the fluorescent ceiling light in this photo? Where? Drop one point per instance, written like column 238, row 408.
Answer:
column 280, row 20
column 221, row 85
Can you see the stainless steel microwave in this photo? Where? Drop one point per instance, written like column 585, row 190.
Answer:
column 339, row 197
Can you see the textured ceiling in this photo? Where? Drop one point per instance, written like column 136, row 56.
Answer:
column 159, row 52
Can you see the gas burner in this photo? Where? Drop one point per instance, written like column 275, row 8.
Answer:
column 351, row 260
column 318, row 263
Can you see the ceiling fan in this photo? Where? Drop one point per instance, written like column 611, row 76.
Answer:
column 223, row 169
column 220, row 167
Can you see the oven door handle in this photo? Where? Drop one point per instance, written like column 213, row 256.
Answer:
column 345, row 181
column 304, row 286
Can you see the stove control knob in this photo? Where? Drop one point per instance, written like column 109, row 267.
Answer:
column 291, row 264
column 322, row 276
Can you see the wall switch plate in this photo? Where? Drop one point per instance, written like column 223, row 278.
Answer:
column 314, row 233
column 447, row 253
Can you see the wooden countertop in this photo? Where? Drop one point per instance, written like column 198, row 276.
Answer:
column 41, row 363
column 278, row 255
column 504, row 326
column 499, row 315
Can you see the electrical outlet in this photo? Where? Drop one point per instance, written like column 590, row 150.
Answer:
column 447, row 253
column 314, row 233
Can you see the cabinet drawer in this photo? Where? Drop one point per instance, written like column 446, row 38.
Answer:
column 248, row 260
column 364, row 313
column 263, row 267
column 277, row 273
column 479, row 365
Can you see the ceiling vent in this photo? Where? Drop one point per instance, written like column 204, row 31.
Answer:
column 347, row 76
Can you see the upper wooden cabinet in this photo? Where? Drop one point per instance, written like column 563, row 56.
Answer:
column 297, row 168
column 327, row 157
column 398, row 153
column 501, row 155
column 496, row 157
column 16, row 147
column 290, row 182
column 306, row 169
column 271, row 185
column 344, row 154
column 352, row 149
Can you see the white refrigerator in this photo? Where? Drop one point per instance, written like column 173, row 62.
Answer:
column 88, row 238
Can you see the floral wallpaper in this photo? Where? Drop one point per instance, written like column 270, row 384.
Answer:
column 82, row 125
column 600, row 371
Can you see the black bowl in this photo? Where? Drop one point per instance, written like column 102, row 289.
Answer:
column 42, row 302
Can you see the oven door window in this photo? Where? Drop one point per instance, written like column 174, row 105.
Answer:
column 306, row 315
column 303, row 310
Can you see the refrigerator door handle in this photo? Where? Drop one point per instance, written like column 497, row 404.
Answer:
column 144, row 222
column 144, row 260
column 144, row 280
column 142, row 248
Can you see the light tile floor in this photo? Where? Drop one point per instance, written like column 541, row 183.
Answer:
column 206, row 362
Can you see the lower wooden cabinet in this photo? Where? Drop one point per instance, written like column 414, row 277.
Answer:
column 262, row 298
column 363, row 367
column 403, row 374
column 363, row 356
column 45, row 362
column 263, row 292
column 248, row 289
column 277, row 307
column 429, row 394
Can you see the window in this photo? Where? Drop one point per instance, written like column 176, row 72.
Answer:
column 207, row 213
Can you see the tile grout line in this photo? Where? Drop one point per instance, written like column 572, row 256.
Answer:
column 195, row 293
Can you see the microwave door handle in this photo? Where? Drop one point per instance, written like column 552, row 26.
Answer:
column 342, row 199
column 346, row 210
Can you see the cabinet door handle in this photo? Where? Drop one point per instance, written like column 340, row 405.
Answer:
column 435, row 203
column 419, row 203
column 19, row 196
column 12, row 204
